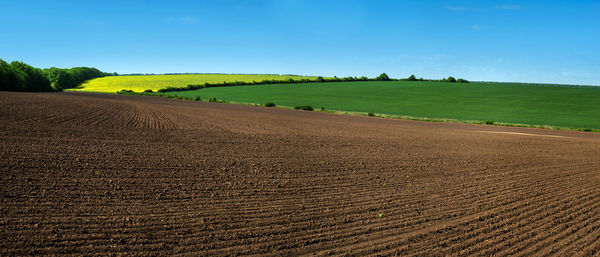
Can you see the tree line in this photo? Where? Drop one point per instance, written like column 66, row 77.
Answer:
column 382, row 77
column 18, row 76
column 414, row 78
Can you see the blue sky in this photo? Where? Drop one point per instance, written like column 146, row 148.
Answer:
column 525, row 41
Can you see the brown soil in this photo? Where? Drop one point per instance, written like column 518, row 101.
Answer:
column 97, row 174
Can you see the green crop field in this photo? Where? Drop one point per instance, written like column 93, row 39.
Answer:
column 552, row 105
column 140, row 83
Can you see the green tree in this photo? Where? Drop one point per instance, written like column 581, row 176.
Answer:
column 18, row 76
column 451, row 79
column 10, row 79
column 383, row 77
column 412, row 78
column 36, row 80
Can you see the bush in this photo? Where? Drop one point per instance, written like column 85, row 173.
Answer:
column 322, row 108
column 303, row 107
column 587, row 130
column 125, row 92
column 212, row 100
column 489, row 122
column 148, row 91
column 197, row 99
column 270, row 104
column 371, row 114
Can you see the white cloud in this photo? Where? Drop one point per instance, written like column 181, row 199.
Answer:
column 452, row 8
column 509, row 7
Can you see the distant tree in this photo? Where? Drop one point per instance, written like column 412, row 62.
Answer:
column 382, row 77
column 70, row 78
column 451, row 79
column 462, row 81
column 59, row 78
column 412, row 78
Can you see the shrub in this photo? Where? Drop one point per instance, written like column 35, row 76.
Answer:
column 587, row 130
column 270, row 104
column 148, row 91
column 125, row 92
column 322, row 108
column 212, row 100
column 197, row 99
column 489, row 122
column 303, row 107
column 371, row 114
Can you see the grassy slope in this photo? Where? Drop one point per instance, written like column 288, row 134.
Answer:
column 564, row 106
column 140, row 83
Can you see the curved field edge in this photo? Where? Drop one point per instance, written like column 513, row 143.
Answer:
column 404, row 117
column 522, row 105
column 378, row 115
column 140, row 83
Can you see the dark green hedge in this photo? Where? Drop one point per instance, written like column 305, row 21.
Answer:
column 18, row 76
column 382, row 77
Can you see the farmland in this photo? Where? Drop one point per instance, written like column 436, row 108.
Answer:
column 108, row 174
column 140, row 83
column 552, row 105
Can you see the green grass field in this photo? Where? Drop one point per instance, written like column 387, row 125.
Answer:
column 559, row 106
column 140, row 83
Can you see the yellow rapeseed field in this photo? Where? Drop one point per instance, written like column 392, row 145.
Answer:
column 140, row 83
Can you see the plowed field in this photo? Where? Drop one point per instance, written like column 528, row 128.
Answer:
column 99, row 174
